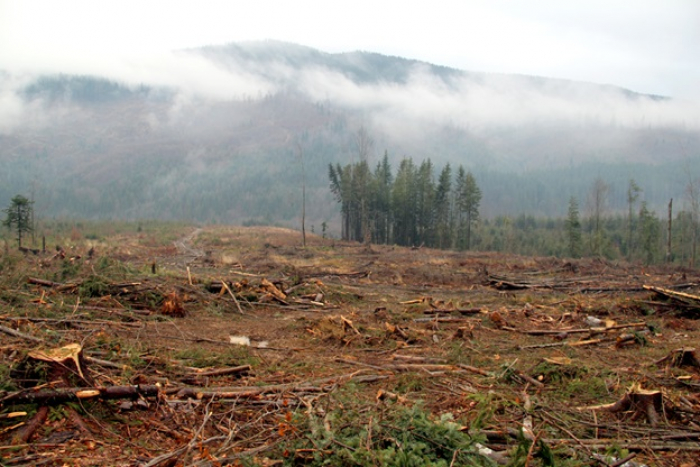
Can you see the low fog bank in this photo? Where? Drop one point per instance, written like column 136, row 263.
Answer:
column 395, row 94
column 219, row 134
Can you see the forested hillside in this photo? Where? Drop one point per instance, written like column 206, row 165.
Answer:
column 239, row 148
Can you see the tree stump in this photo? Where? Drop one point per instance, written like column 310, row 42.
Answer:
column 639, row 402
column 65, row 364
column 681, row 358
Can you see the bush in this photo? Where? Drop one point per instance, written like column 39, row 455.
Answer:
column 397, row 436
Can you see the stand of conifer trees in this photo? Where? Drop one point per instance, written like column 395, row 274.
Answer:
column 407, row 208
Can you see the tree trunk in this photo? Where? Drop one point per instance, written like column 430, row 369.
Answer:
column 19, row 227
column 303, row 214
column 669, row 256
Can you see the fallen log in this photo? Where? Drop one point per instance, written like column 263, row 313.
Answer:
column 117, row 311
column 54, row 285
column 620, row 289
column 394, row 329
column 474, row 369
column 243, row 369
column 236, row 392
column 19, row 334
column 506, row 285
column 71, row 321
column 463, row 311
column 62, row 395
column 401, row 366
column 106, row 363
column 565, row 344
column 594, row 330
column 359, row 274
column 636, row 445
column 413, row 358
column 420, row 367
column 682, row 297
column 26, row 432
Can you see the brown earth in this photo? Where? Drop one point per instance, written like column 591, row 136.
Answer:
column 509, row 346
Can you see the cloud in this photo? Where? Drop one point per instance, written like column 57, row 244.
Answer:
column 183, row 70
column 193, row 74
column 481, row 101
column 17, row 113
column 12, row 107
column 195, row 79
column 473, row 101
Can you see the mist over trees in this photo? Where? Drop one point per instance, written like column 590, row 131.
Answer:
column 224, row 142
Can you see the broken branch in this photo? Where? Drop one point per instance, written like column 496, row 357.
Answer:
column 62, row 395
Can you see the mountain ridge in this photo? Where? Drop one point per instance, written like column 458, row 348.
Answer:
column 177, row 149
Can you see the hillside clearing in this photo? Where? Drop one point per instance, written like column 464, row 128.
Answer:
column 247, row 349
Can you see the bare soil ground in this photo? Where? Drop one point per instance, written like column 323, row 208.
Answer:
column 237, row 346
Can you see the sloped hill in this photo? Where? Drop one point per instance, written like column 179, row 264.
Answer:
column 96, row 147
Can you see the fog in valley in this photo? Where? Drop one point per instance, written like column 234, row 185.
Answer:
column 219, row 134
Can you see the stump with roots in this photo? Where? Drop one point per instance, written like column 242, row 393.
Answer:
column 683, row 357
column 639, row 402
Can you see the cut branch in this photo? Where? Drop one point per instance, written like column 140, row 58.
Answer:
column 544, row 332
column 63, row 395
column 19, row 334
column 463, row 311
column 224, row 371
column 32, row 425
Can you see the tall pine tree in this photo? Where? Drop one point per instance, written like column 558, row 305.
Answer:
column 403, row 203
column 19, row 217
column 468, row 199
column 443, row 209
column 573, row 229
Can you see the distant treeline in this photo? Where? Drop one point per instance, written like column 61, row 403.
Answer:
column 412, row 208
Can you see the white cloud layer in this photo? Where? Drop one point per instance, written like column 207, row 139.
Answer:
column 647, row 45
column 473, row 101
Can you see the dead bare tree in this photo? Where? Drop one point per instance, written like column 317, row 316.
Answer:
column 597, row 204
column 364, row 144
column 692, row 191
column 300, row 150
column 669, row 254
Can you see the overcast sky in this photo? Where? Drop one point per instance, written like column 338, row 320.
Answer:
column 649, row 46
